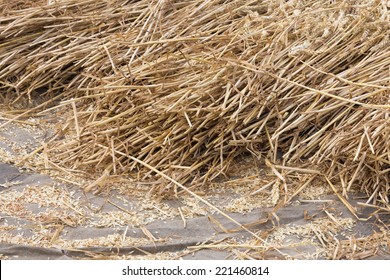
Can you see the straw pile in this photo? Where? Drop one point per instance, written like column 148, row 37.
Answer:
column 186, row 86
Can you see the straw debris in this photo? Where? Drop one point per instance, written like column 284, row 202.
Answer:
column 187, row 86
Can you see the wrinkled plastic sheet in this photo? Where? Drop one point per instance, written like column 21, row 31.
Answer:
column 198, row 230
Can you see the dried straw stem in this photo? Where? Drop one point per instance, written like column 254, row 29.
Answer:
column 185, row 86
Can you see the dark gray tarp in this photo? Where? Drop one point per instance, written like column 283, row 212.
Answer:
column 170, row 235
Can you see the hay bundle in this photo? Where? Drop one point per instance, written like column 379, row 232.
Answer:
column 186, row 86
